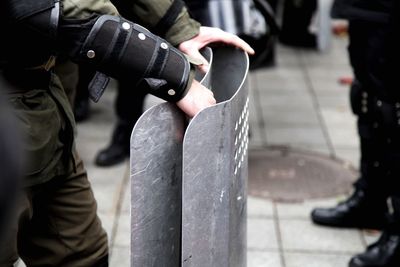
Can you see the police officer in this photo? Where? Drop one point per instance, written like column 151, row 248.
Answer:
column 375, row 99
column 56, row 222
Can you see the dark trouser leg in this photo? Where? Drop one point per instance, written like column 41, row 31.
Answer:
column 58, row 226
column 367, row 206
column 81, row 103
column 63, row 228
column 376, row 71
column 129, row 108
column 297, row 15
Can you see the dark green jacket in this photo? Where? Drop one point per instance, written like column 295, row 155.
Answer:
column 144, row 12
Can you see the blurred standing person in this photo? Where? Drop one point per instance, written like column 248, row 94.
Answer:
column 296, row 21
column 375, row 100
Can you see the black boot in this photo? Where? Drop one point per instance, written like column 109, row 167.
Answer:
column 81, row 109
column 383, row 253
column 119, row 148
column 359, row 211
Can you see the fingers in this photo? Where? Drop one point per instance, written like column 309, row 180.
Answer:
column 197, row 99
column 210, row 35
column 204, row 66
column 234, row 40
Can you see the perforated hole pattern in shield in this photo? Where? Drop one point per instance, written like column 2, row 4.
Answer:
column 241, row 137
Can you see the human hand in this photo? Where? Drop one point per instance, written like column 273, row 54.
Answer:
column 209, row 35
column 197, row 99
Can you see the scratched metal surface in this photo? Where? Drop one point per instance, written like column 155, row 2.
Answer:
column 156, row 180
column 215, row 170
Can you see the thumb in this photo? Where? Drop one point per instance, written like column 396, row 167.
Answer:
column 196, row 58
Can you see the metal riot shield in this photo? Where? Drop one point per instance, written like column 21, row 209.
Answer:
column 215, row 170
column 156, row 183
column 189, row 189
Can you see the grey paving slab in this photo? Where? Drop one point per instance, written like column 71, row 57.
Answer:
column 351, row 155
column 302, row 235
column 278, row 81
column 123, row 237
column 259, row 207
column 120, row 257
column 126, row 201
column 336, row 116
column 107, row 176
column 256, row 120
column 330, row 86
column 107, row 222
column 263, row 259
column 286, row 102
column 106, row 197
column 335, row 102
column 327, row 74
column 296, row 135
column 337, row 56
column 291, row 118
column 342, row 136
column 261, row 234
column 302, row 210
column 316, row 260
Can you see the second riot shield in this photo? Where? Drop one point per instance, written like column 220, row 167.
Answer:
column 214, row 182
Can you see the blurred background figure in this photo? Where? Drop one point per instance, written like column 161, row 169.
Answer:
column 296, row 20
column 252, row 20
column 128, row 108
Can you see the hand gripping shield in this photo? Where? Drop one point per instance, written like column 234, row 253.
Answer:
column 188, row 184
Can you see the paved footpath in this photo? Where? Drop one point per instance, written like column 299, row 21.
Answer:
column 300, row 104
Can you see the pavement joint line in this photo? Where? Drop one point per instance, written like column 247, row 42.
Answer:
column 278, row 235
column 294, row 218
column 320, row 252
column 118, row 209
column 252, row 249
column 259, row 110
column 316, row 104
column 270, row 217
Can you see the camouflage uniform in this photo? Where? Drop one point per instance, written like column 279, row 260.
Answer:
column 56, row 223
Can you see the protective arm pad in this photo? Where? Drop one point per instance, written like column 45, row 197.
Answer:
column 124, row 50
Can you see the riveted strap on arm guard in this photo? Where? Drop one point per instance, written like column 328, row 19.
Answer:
column 125, row 50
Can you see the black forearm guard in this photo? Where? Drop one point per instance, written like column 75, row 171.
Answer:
column 127, row 51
